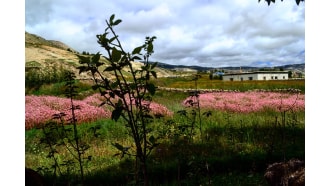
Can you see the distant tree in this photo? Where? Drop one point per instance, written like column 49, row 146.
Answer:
column 211, row 76
column 290, row 74
column 273, row 1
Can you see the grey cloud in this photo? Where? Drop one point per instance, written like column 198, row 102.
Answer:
column 268, row 43
column 208, row 33
column 37, row 11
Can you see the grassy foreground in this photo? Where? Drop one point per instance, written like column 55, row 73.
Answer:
column 230, row 148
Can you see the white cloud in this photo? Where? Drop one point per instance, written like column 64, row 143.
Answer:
column 206, row 33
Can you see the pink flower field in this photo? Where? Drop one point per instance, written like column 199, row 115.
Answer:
column 246, row 102
column 40, row 109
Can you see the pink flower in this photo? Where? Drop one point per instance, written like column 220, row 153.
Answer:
column 40, row 109
column 245, row 102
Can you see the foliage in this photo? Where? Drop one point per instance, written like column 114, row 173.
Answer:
column 273, row 1
column 62, row 132
column 35, row 78
column 194, row 103
column 57, row 89
column 183, row 133
column 129, row 97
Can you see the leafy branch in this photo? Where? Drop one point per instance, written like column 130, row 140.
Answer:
column 128, row 95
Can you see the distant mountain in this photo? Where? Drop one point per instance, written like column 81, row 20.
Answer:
column 300, row 67
column 45, row 54
column 175, row 67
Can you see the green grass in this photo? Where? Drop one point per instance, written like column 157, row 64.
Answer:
column 205, row 83
column 236, row 147
column 172, row 100
column 57, row 89
column 32, row 64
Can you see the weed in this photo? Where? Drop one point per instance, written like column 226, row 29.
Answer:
column 129, row 96
column 61, row 133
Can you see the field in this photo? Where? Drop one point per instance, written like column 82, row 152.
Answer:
column 229, row 138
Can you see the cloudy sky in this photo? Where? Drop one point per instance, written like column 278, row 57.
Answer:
column 189, row 32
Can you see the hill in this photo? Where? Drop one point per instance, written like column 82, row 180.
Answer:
column 293, row 67
column 48, row 54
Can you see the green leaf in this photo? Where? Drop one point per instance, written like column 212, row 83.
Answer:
column 118, row 110
column 96, row 58
column 83, row 59
column 83, row 69
column 136, row 58
column 114, row 84
column 151, row 88
column 111, row 19
column 98, row 64
column 117, row 22
column 150, row 48
column 116, row 54
column 118, row 146
column 103, row 93
column 182, row 112
column 112, row 39
column 154, row 74
column 152, row 139
column 112, row 95
column 297, row 1
column 145, row 67
column 95, row 87
column 102, row 40
column 137, row 50
column 147, row 76
column 120, row 103
column 207, row 114
column 116, row 114
column 110, row 68
column 154, row 65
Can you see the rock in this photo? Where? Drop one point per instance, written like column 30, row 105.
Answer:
column 290, row 173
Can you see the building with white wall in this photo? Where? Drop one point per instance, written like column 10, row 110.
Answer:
column 258, row 75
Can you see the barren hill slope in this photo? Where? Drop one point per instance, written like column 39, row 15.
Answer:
column 46, row 54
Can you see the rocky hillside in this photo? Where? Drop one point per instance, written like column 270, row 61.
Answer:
column 46, row 54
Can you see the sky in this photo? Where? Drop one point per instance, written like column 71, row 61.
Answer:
column 206, row 33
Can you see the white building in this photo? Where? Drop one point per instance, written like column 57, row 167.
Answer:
column 258, row 75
